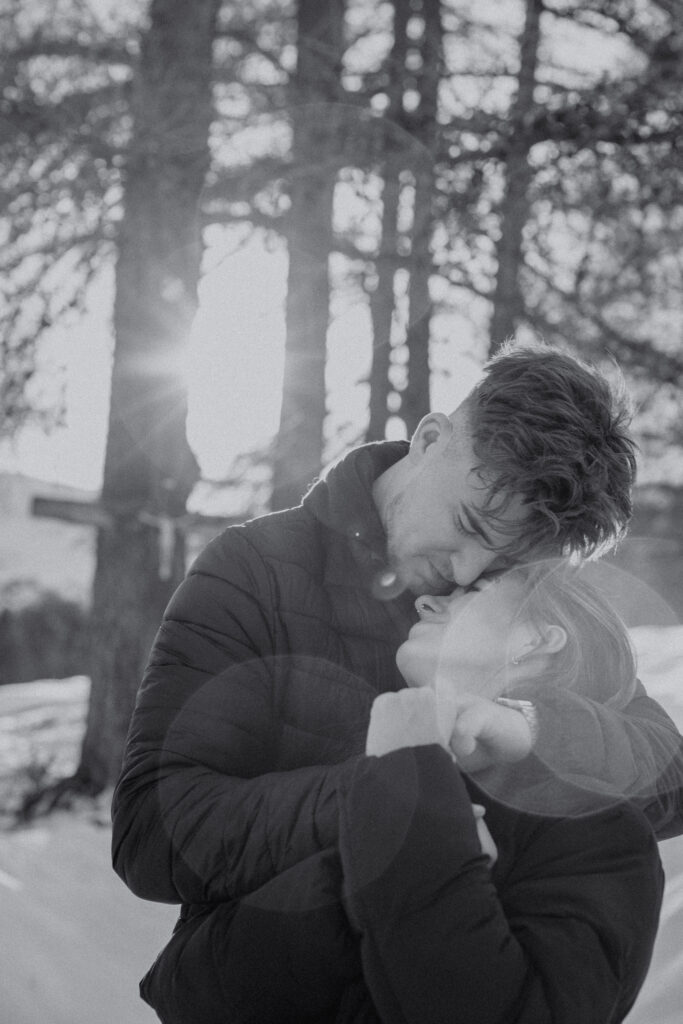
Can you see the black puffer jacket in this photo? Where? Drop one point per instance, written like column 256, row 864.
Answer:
column 235, row 756
column 402, row 921
column 273, row 618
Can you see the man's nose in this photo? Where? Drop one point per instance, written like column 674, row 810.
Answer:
column 431, row 607
column 467, row 566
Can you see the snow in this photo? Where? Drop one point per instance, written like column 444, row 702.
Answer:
column 41, row 725
column 76, row 941
column 659, row 651
column 660, row 666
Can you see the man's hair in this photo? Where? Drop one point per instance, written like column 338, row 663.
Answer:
column 551, row 430
column 597, row 659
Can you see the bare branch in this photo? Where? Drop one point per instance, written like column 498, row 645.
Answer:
column 98, row 52
column 665, row 367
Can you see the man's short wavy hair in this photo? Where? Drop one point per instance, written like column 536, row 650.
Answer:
column 553, row 431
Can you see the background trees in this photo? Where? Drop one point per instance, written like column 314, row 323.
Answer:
column 458, row 171
column 64, row 126
column 543, row 135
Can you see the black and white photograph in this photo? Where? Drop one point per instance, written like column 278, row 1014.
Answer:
column 341, row 507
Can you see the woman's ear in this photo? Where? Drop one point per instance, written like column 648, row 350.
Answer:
column 548, row 640
column 434, row 428
column 553, row 639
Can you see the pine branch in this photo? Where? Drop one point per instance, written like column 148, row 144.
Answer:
column 102, row 52
column 642, row 354
column 51, row 251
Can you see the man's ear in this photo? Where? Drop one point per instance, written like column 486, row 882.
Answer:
column 433, row 429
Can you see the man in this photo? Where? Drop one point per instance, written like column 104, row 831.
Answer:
column 537, row 461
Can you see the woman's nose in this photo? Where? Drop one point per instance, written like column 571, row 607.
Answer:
column 429, row 606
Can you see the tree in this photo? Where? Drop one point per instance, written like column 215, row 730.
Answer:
column 149, row 469
column 398, row 151
column 585, row 165
column 314, row 94
column 144, row 139
column 382, row 294
column 424, row 123
column 64, row 107
column 508, row 304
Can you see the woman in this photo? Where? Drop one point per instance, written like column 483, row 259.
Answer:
column 417, row 912
column 500, row 640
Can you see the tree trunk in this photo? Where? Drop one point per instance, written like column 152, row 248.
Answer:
column 298, row 450
column 383, row 299
column 407, row 74
column 508, row 303
column 382, row 305
column 149, row 468
column 416, row 398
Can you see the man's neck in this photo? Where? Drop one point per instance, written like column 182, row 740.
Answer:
column 384, row 489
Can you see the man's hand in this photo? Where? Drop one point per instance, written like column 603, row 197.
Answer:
column 485, row 732
column 403, row 719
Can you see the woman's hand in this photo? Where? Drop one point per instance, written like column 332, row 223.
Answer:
column 484, row 732
column 479, row 732
column 403, row 719
column 409, row 719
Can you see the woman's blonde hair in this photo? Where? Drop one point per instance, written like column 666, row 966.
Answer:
column 597, row 660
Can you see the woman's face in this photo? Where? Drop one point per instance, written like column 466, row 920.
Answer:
column 467, row 640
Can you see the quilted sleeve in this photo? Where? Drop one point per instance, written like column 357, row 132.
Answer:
column 199, row 814
column 565, row 937
column 637, row 751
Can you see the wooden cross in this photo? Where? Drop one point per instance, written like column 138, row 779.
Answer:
column 90, row 513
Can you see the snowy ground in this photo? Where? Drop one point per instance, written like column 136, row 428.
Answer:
column 74, row 942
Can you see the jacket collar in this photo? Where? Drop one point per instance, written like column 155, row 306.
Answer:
column 342, row 500
column 355, row 562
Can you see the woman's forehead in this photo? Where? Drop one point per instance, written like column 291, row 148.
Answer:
column 503, row 580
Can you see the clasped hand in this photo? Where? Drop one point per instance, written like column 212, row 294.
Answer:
column 468, row 726
column 477, row 731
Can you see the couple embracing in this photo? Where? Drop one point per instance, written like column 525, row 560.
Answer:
column 476, row 845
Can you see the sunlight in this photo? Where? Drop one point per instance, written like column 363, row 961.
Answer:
column 233, row 366
column 236, row 355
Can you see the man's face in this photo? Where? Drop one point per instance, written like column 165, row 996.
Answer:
column 435, row 537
